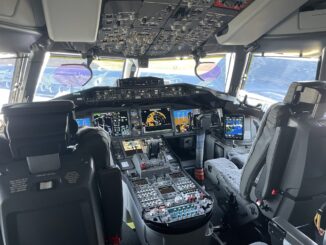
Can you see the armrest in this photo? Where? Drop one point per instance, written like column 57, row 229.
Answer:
column 281, row 230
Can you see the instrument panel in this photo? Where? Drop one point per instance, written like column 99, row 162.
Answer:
column 142, row 121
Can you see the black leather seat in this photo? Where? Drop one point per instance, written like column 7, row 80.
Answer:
column 50, row 191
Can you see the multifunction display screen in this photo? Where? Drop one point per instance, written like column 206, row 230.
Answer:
column 234, row 127
column 184, row 120
column 83, row 122
column 155, row 120
column 115, row 123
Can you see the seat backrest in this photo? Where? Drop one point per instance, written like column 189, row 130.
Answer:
column 289, row 177
column 96, row 142
column 48, row 189
column 276, row 116
column 303, row 185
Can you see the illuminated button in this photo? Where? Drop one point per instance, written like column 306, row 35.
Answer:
column 46, row 185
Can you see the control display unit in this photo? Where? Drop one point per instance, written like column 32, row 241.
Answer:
column 156, row 120
column 166, row 189
column 86, row 121
column 184, row 120
column 115, row 123
column 234, row 127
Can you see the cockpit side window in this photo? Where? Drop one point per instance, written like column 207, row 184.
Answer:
column 268, row 77
column 7, row 68
column 105, row 72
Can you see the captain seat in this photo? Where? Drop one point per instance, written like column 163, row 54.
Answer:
column 50, row 191
column 278, row 141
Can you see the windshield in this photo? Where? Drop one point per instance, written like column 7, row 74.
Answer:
column 176, row 70
column 105, row 73
column 270, row 76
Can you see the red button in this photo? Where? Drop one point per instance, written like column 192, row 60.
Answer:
column 274, row 192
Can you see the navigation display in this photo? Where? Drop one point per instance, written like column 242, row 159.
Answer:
column 83, row 122
column 132, row 147
column 115, row 123
column 184, row 120
column 154, row 120
column 234, row 127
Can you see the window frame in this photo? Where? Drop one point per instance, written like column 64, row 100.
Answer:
column 254, row 98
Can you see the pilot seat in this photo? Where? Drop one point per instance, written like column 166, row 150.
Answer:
column 285, row 174
column 55, row 187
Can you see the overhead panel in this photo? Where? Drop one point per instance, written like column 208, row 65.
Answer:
column 156, row 28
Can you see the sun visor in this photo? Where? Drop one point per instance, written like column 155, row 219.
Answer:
column 72, row 20
column 257, row 19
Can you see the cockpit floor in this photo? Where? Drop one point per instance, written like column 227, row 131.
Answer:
column 129, row 236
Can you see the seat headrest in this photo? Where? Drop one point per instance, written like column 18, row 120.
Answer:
column 307, row 96
column 39, row 128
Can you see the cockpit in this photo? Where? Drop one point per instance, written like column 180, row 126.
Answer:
column 162, row 122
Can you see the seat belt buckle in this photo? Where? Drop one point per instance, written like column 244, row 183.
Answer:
column 259, row 202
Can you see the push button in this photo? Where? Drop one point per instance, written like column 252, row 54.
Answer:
column 46, row 185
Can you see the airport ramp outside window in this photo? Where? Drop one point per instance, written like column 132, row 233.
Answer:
column 105, row 73
column 181, row 70
column 269, row 77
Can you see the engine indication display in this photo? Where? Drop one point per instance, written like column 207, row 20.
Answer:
column 115, row 123
column 184, row 120
column 154, row 120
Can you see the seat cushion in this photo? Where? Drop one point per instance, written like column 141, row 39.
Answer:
column 223, row 172
column 239, row 159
